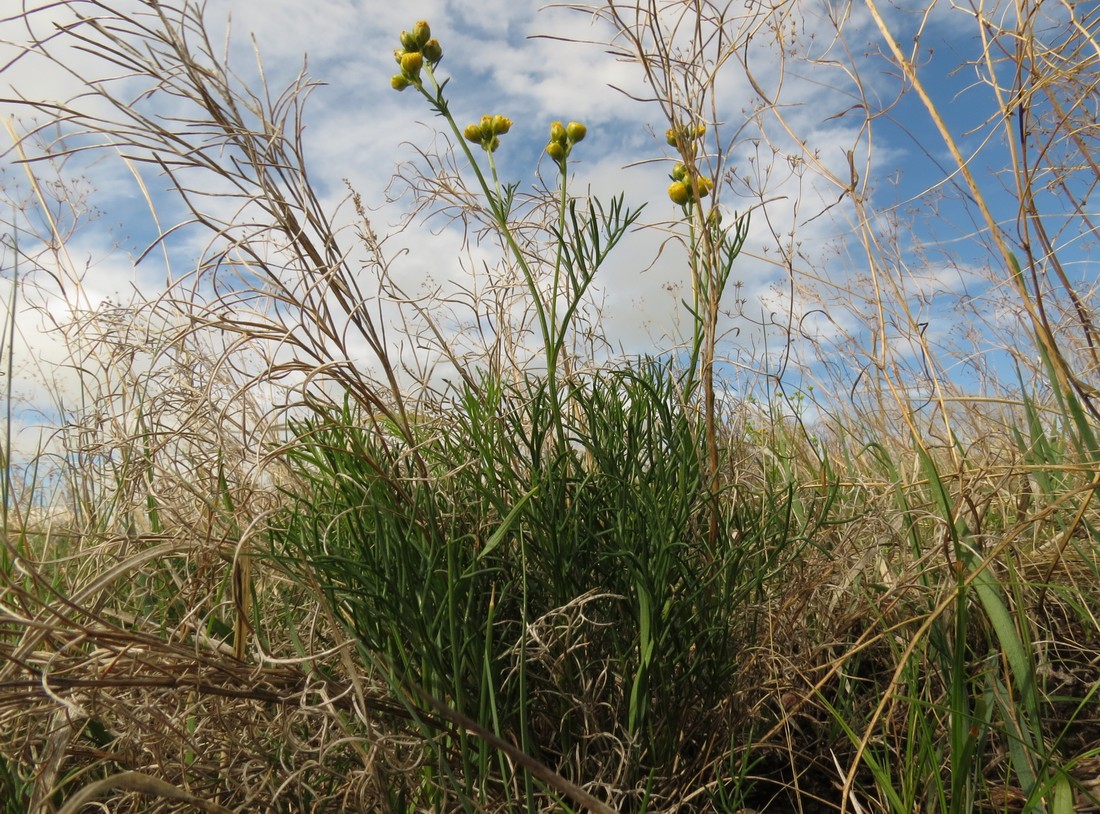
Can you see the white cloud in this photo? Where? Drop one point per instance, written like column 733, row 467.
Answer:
column 357, row 128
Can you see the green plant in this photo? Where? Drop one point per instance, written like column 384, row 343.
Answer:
column 505, row 569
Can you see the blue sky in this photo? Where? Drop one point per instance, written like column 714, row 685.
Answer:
column 511, row 58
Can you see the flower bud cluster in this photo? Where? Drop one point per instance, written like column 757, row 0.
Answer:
column 685, row 183
column 685, row 134
column 562, row 139
column 682, row 190
column 488, row 131
column 417, row 47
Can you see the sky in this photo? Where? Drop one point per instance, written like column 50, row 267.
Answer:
column 538, row 63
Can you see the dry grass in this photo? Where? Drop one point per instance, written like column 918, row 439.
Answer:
column 879, row 595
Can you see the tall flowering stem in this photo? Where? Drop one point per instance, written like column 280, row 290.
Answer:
column 583, row 238
column 562, row 140
column 417, row 59
column 712, row 250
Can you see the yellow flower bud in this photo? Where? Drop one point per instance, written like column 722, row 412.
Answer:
column 421, row 33
column 705, row 186
column 408, row 42
column 411, row 63
column 685, row 134
column 679, row 192
column 679, row 172
column 399, row 82
column 432, row 51
column 398, row 53
column 556, row 151
column 485, row 132
column 576, row 131
column 557, row 132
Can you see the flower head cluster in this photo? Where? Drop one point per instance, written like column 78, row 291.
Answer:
column 417, row 47
column 488, row 131
column 682, row 190
column 686, row 184
column 562, row 139
column 684, row 137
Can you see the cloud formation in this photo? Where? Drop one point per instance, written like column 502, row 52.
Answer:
column 788, row 110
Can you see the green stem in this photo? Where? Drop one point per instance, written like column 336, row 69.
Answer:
column 556, row 337
column 524, row 723
column 697, row 287
column 496, row 205
column 563, row 202
column 547, row 322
